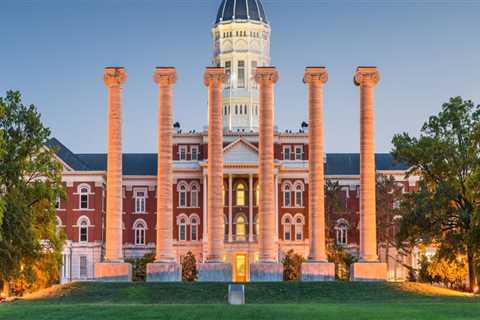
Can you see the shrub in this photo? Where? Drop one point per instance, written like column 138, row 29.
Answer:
column 189, row 268
column 139, row 266
column 343, row 260
column 292, row 264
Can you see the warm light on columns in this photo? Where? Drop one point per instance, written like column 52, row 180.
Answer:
column 114, row 78
column 213, row 79
column 266, row 77
column 165, row 78
column 315, row 78
column 367, row 78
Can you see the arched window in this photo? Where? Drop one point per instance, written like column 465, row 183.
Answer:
column 83, row 223
column 194, row 189
column 83, row 195
column 194, row 223
column 341, row 231
column 287, row 227
column 299, row 194
column 299, row 223
column 287, row 195
column 240, row 194
column 182, row 222
column 139, row 228
column 240, row 228
column 182, row 194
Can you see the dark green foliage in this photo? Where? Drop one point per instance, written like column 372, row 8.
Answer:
column 31, row 182
column 445, row 212
column 139, row 266
column 189, row 268
column 292, row 265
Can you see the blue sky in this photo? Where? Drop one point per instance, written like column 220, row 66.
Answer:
column 54, row 52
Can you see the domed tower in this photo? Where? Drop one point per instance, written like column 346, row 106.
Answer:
column 241, row 37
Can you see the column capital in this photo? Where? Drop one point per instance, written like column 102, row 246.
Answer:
column 265, row 75
column 165, row 76
column 114, row 76
column 366, row 76
column 315, row 75
column 214, row 76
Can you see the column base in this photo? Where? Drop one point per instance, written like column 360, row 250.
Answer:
column 266, row 272
column 164, row 272
column 368, row 271
column 317, row 271
column 215, row 272
column 113, row 272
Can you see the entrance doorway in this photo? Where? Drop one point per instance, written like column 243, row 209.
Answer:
column 241, row 262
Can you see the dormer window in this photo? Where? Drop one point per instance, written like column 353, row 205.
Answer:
column 194, row 153
column 182, row 153
column 298, row 153
column 286, row 152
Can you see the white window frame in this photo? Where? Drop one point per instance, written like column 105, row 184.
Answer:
column 287, row 194
column 287, row 149
column 298, row 192
column 194, row 193
column 140, row 232
column 182, row 222
column 341, row 232
column 182, row 151
column 287, row 227
column 83, row 223
column 182, row 193
column 140, row 201
column 298, row 156
column 299, row 222
column 83, row 266
column 86, row 194
column 194, row 224
column 196, row 149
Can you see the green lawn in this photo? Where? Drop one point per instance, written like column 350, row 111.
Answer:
column 337, row 300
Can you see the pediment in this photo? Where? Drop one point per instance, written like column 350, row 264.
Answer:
column 240, row 151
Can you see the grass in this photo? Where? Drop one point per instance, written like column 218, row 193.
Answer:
column 336, row 300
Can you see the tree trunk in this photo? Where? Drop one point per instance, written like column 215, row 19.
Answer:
column 472, row 271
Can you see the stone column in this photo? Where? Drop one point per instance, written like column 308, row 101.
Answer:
column 165, row 268
column 113, row 268
column 267, row 268
column 316, row 268
column 250, row 208
column 368, row 268
column 214, row 269
column 230, row 208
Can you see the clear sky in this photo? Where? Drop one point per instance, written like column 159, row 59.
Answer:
column 54, row 53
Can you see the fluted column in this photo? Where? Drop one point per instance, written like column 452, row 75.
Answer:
column 165, row 79
column 367, row 78
column 315, row 78
column 114, row 78
column 266, row 77
column 214, row 78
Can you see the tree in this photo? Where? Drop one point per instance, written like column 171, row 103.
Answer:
column 292, row 265
column 189, row 268
column 388, row 197
column 445, row 211
column 139, row 266
column 30, row 181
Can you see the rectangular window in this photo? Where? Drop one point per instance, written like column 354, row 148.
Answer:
column 298, row 153
column 83, row 267
column 253, row 71
column 83, row 233
column 182, row 234
column 241, row 74
column 286, row 202
column 298, row 199
column 194, row 199
column 286, row 153
column 228, row 72
column 140, row 199
column 182, row 153
column 194, row 153
column 298, row 233
column 84, row 201
column 57, row 203
column 287, row 235
column 194, row 232
column 183, row 199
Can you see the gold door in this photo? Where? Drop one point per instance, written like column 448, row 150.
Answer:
column 240, row 268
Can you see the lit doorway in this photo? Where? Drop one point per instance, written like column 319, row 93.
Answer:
column 240, row 274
